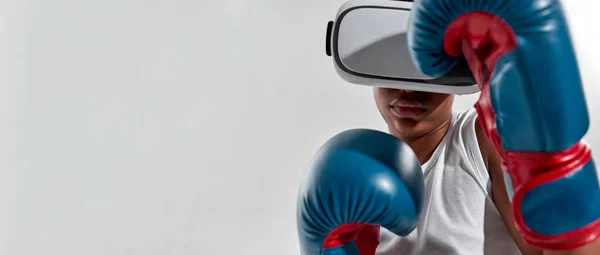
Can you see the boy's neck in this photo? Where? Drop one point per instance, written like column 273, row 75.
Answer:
column 425, row 145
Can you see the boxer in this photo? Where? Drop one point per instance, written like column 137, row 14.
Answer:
column 523, row 139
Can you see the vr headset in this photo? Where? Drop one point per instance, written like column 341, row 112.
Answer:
column 367, row 42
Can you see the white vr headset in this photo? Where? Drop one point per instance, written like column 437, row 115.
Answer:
column 367, row 42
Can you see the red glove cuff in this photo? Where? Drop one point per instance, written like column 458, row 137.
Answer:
column 364, row 236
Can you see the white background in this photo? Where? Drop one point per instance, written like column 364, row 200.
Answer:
column 176, row 126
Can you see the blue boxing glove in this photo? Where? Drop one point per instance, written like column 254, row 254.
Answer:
column 358, row 181
column 532, row 106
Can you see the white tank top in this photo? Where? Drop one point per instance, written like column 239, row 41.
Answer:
column 459, row 216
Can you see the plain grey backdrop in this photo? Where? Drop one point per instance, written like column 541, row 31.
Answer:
column 177, row 126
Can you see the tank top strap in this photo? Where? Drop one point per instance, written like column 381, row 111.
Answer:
column 461, row 138
column 471, row 147
column 442, row 145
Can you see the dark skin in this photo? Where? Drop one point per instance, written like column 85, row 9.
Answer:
column 422, row 119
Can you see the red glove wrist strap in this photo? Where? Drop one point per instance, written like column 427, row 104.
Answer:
column 364, row 236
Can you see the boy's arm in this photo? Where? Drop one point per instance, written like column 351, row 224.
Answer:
column 499, row 193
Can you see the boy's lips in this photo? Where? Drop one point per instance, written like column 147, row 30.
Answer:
column 407, row 108
column 407, row 111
